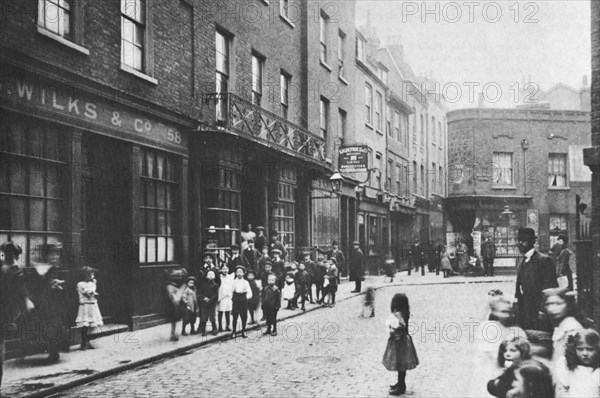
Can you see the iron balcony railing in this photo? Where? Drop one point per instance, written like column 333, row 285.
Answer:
column 229, row 112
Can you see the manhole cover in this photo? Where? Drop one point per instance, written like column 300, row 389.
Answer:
column 318, row 359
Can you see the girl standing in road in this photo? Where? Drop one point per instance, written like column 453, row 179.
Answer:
column 88, row 315
column 400, row 354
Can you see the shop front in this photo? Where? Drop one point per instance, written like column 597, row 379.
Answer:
column 104, row 180
column 373, row 234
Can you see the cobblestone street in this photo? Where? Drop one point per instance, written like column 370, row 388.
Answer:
column 329, row 352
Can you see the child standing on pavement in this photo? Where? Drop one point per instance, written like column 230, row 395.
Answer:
column 302, row 284
column 309, row 266
column 369, row 303
column 88, row 315
column 320, row 272
column 207, row 298
column 241, row 294
column 254, row 301
column 190, row 303
column 400, row 354
column 271, row 302
column 225, row 297
column 332, row 287
column 289, row 290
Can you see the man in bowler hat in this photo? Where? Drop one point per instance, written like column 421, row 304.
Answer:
column 535, row 273
column 356, row 266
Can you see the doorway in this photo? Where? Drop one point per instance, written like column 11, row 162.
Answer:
column 106, row 222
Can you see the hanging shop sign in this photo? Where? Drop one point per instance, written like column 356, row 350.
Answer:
column 354, row 159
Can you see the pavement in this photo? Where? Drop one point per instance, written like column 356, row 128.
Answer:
column 138, row 350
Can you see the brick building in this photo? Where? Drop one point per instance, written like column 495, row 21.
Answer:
column 528, row 160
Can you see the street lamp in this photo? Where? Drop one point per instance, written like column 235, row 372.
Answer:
column 336, row 181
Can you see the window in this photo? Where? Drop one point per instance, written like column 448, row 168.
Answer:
column 440, row 141
column 423, row 183
column 441, row 181
column 360, row 49
column 341, row 52
column 342, row 123
column 283, row 209
column 222, row 71
column 433, row 178
column 323, row 36
column 389, row 172
column 415, row 172
column 422, row 130
column 160, row 186
column 388, row 123
column 283, row 8
column 133, row 30
column 398, row 181
column 56, row 16
column 32, row 185
column 324, row 117
column 502, row 169
column 397, row 132
column 378, row 111
column 557, row 170
column 284, row 81
column 373, row 239
column 433, row 132
column 369, row 102
column 257, row 78
column 559, row 224
column 380, row 169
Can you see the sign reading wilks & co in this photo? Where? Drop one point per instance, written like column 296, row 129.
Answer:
column 354, row 159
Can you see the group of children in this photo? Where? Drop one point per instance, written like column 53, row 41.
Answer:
column 233, row 292
column 571, row 371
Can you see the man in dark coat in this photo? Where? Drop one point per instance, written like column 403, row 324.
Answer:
column 336, row 254
column 562, row 256
column 260, row 241
column 356, row 266
column 535, row 273
column 250, row 257
column 488, row 253
column 276, row 244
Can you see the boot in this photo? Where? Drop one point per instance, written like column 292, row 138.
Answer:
column 274, row 333
column 183, row 332
column 268, row 331
column 203, row 328
column 372, row 314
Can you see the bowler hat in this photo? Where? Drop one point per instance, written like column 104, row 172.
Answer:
column 10, row 248
column 87, row 268
column 564, row 238
column 526, row 234
column 241, row 267
column 191, row 278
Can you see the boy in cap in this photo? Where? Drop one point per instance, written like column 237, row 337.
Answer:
column 263, row 260
column 254, row 301
column 235, row 260
column 271, row 302
column 302, row 282
column 309, row 265
column 242, row 292
column 190, row 303
column 250, row 256
column 278, row 268
column 276, row 244
column 207, row 298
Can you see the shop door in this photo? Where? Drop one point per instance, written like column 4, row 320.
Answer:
column 106, row 232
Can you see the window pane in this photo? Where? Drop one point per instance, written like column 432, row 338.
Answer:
column 4, row 213
column 52, row 176
column 150, row 222
column 150, row 194
column 161, row 250
column 151, row 245
column 149, row 164
column 128, row 55
column 18, row 177
column 53, row 215
column 161, row 200
column 162, row 223
column 36, row 182
column 51, row 144
column 17, row 135
column 170, row 249
column 36, row 244
column 35, row 142
column 160, row 166
column 17, row 214
column 142, row 248
column 36, row 215
column 170, row 197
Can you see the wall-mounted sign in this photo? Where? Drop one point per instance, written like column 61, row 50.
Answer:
column 354, row 159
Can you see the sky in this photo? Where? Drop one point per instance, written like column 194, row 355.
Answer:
column 496, row 45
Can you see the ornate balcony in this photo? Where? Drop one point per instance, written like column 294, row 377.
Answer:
column 235, row 115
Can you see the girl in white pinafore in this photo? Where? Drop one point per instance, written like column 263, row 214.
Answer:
column 225, row 298
column 88, row 314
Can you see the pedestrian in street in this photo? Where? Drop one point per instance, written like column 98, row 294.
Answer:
column 336, row 254
column 225, row 303
column 369, row 303
column 289, row 290
column 250, row 256
column 14, row 297
column 356, row 266
column 260, row 241
column 488, row 253
column 561, row 307
column 277, row 245
column 309, row 266
column 447, row 265
column 271, row 302
column 209, row 264
column 400, row 354
column 208, row 294
column 189, row 300
column 254, row 301
column 242, row 292
column 49, row 293
column 535, row 274
column 578, row 375
column 510, row 355
column 320, row 272
column 235, row 259
column 173, row 293
column 88, row 314
column 532, row 380
column 301, row 285
column 279, row 268
column 463, row 256
column 332, row 286
column 564, row 273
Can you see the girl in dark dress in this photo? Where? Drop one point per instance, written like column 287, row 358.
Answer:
column 511, row 353
column 400, row 354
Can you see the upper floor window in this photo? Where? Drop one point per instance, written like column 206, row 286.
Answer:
column 557, row 170
column 378, row 111
column 422, row 141
column 341, row 52
column 389, row 176
column 415, row 174
column 397, row 132
column 222, row 70
column 379, row 161
column 324, row 117
column 388, row 123
column 323, row 36
column 342, row 115
column 423, row 182
column 369, row 102
column 433, row 132
column 502, row 169
column 360, row 49
column 284, row 80
column 56, row 16
column 257, row 78
column 398, row 181
column 133, row 30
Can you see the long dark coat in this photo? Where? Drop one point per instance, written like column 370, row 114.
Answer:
column 532, row 278
column 356, row 270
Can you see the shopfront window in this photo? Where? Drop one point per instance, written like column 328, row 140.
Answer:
column 159, row 208
column 283, row 208
column 32, row 181
column 559, row 224
column 373, row 237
